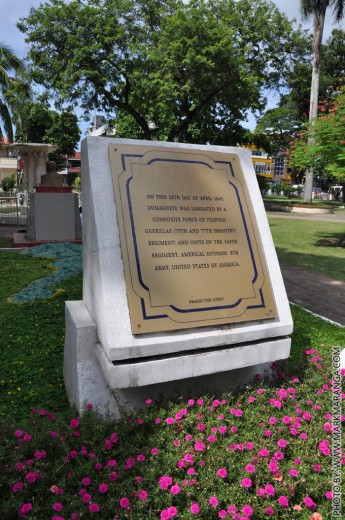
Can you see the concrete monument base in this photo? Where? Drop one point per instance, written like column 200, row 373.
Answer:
column 53, row 217
column 118, row 387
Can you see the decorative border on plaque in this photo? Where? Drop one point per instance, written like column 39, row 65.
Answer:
column 191, row 249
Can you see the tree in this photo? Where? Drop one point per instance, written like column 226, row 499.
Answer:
column 41, row 124
column 163, row 69
column 325, row 154
column 9, row 63
column 317, row 9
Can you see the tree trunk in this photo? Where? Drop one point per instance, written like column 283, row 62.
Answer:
column 319, row 20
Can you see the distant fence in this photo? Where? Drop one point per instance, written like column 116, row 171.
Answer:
column 12, row 210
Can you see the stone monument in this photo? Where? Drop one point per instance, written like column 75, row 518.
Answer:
column 53, row 211
column 182, row 287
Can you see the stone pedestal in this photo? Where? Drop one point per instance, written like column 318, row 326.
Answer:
column 53, row 216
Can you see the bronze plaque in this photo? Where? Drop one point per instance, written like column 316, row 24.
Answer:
column 191, row 248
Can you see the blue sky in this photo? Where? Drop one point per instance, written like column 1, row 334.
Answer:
column 12, row 10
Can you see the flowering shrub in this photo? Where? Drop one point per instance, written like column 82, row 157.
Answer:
column 263, row 454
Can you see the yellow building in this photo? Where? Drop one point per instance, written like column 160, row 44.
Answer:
column 273, row 168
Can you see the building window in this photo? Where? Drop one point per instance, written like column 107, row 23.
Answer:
column 278, row 166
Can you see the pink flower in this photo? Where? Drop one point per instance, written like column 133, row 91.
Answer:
column 31, row 477
column 94, row 508
column 294, row 472
column 269, row 511
column 329, row 495
column 282, row 443
column 124, row 502
column 165, row 482
column 154, row 451
column 279, row 455
column 283, row 501
column 113, row 476
column 103, row 488
column 222, row 473
column 25, row 508
column 74, row 423
column 250, row 468
column 143, row 494
column 175, row 489
column 199, row 446
column 247, row 510
column 270, row 490
column 261, row 492
column 222, row 513
column 57, row 506
column 195, row 508
column 86, row 481
column 317, row 468
column 170, row 420
column 172, row 511
column 190, row 402
column 264, row 452
column 309, row 503
column 189, row 458
column 86, row 498
column 246, row 483
column 148, row 401
column 18, row 433
column 18, row 486
column 213, row 501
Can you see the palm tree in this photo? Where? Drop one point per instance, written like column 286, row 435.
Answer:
column 317, row 9
column 8, row 63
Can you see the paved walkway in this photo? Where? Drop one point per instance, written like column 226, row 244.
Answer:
column 315, row 292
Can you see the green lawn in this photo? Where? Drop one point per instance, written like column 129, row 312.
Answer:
column 308, row 244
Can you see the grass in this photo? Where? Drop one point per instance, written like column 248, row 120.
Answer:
column 6, row 242
column 199, row 459
column 308, row 244
column 298, row 201
column 32, row 338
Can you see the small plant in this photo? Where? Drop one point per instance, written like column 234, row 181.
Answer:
column 8, row 183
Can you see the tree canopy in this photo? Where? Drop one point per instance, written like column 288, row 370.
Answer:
column 41, row 124
column 325, row 154
column 167, row 69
